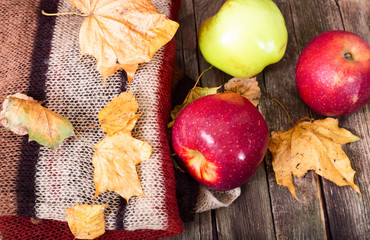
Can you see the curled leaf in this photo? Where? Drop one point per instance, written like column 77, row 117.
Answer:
column 23, row 115
column 115, row 161
column 86, row 221
column 193, row 95
column 121, row 34
column 314, row 146
column 119, row 114
column 247, row 87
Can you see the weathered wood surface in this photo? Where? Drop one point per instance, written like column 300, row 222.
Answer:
column 266, row 210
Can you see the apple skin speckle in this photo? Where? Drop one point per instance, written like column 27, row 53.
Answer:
column 228, row 131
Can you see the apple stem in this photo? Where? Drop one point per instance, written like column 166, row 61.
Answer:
column 348, row 56
column 60, row 14
column 286, row 111
column 281, row 105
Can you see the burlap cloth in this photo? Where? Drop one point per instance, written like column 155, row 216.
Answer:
column 40, row 57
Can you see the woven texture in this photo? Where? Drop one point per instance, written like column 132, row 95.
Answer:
column 209, row 199
column 40, row 57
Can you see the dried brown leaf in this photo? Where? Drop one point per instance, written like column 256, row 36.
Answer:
column 312, row 145
column 121, row 34
column 115, row 161
column 247, row 87
column 24, row 115
column 86, row 221
column 119, row 114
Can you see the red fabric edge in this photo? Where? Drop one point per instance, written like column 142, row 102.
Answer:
column 14, row 227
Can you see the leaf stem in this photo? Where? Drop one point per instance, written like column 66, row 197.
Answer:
column 66, row 13
column 96, row 125
column 196, row 83
column 177, row 166
column 84, row 139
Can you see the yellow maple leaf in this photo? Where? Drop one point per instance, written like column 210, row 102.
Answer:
column 121, row 34
column 247, row 87
column 312, row 145
column 23, row 115
column 115, row 161
column 194, row 94
column 119, row 114
column 86, row 221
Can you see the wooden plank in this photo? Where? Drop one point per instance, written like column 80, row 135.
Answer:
column 348, row 212
column 205, row 224
column 303, row 219
column 186, row 41
column 203, row 10
column 187, row 61
column 191, row 231
column 356, row 19
column 199, row 229
column 250, row 215
column 313, row 17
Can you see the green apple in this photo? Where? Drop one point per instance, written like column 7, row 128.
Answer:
column 244, row 37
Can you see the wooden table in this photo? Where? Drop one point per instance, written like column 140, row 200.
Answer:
column 266, row 210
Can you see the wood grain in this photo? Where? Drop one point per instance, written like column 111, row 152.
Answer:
column 356, row 18
column 256, row 223
column 187, row 60
column 266, row 210
column 186, row 41
column 199, row 229
column 349, row 212
column 250, row 213
column 203, row 10
column 303, row 219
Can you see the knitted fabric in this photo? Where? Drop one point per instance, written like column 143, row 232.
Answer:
column 40, row 57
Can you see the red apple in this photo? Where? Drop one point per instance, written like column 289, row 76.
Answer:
column 221, row 140
column 333, row 73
